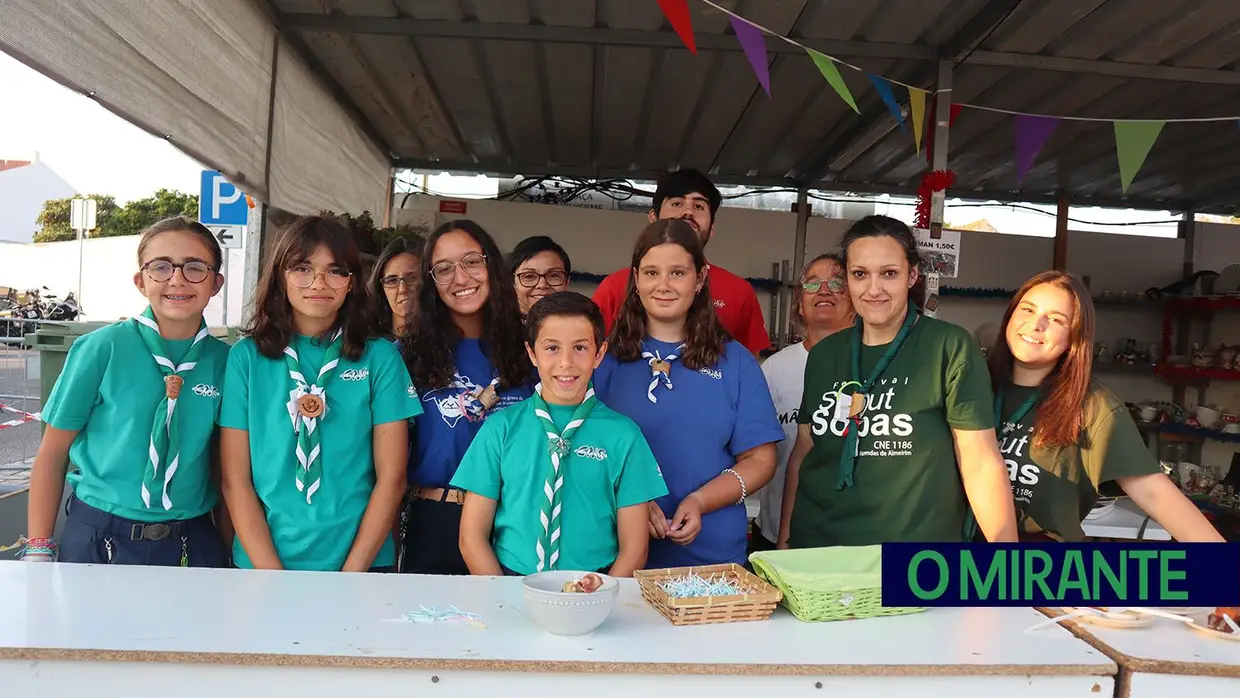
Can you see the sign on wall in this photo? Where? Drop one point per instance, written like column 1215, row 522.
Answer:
column 939, row 256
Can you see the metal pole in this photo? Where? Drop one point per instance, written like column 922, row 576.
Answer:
column 938, row 200
column 227, row 253
column 798, row 253
column 81, row 254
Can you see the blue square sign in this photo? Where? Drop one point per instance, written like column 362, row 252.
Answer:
column 221, row 203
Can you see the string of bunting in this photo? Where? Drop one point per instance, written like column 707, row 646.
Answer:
column 1134, row 138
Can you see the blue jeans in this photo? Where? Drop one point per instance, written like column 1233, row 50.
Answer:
column 94, row 536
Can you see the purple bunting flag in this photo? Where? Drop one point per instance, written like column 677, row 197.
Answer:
column 1031, row 134
column 751, row 40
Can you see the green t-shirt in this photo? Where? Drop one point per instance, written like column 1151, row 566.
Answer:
column 1055, row 488
column 609, row 467
column 373, row 390
column 108, row 392
column 906, row 483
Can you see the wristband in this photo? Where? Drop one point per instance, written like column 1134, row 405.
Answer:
column 40, row 547
column 744, row 490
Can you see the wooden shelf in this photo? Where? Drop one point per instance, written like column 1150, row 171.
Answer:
column 1194, row 373
column 1124, row 369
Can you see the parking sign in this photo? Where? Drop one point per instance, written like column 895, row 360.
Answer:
column 221, row 203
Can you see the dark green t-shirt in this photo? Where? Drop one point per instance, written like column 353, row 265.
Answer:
column 906, row 483
column 1055, row 488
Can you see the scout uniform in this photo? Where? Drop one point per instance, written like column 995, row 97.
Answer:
column 592, row 458
column 310, row 415
column 883, row 464
column 144, row 408
column 697, row 422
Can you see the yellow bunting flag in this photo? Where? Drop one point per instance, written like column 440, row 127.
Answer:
column 826, row 66
column 1133, row 141
column 917, row 110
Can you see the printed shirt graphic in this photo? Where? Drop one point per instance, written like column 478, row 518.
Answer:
column 108, row 392
column 609, row 467
column 696, row 431
column 444, row 432
column 1055, row 488
column 785, row 375
column 734, row 299
column 906, row 485
column 318, row 535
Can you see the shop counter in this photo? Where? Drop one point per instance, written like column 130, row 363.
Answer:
column 119, row 631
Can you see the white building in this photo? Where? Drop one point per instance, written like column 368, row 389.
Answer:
column 24, row 186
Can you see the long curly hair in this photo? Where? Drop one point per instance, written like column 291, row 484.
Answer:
column 427, row 343
column 704, row 335
column 272, row 326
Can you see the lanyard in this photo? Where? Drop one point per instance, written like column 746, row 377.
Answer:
column 849, row 455
column 1018, row 415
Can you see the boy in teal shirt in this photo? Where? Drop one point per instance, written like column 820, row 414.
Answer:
column 559, row 481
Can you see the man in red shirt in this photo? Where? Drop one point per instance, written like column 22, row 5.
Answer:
column 688, row 194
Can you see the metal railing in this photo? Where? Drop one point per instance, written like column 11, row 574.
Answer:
column 20, row 432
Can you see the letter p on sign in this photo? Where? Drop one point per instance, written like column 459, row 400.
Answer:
column 220, row 202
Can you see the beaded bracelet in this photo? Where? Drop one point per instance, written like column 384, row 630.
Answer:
column 744, row 490
column 40, row 546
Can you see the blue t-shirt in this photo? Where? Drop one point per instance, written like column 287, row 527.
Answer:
column 443, row 432
column 696, row 430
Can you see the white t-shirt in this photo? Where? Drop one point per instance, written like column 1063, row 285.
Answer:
column 785, row 376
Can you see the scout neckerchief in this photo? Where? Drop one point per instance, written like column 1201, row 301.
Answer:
column 165, row 450
column 851, row 434
column 307, row 405
column 970, row 524
column 558, row 445
column 660, row 370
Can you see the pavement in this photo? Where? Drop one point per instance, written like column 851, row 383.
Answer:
column 19, row 390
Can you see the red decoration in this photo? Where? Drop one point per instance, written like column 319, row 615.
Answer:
column 938, row 180
column 677, row 12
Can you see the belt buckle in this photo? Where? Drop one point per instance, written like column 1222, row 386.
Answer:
column 156, row 531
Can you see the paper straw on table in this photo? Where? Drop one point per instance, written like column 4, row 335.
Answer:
column 1052, row 621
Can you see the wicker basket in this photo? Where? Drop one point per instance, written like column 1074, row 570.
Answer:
column 824, row 584
column 757, row 603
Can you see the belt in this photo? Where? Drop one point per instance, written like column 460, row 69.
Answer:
column 439, row 494
column 117, row 525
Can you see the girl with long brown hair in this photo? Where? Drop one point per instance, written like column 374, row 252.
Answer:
column 315, row 415
column 1062, row 434
column 698, row 396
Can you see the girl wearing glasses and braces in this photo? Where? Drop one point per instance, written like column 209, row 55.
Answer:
column 540, row 268
column 319, row 484
column 135, row 409
column 824, row 309
column 394, row 286
column 468, row 360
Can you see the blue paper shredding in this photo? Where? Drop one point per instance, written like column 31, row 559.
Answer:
column 693, row 586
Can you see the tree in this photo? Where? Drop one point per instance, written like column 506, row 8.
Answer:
column 112, row 220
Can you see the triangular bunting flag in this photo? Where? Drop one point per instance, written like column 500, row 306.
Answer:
column 677, row 13
column 951, row 121
column 750, row 39
column 826, row 66
column 884, row 91
column 917, row 110
column 1133, row 140
column 1031, row 133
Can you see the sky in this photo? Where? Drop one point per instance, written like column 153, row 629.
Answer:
column 94, row 150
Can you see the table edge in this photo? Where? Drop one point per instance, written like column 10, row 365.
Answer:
column 1133, row 664
column 1108, row 668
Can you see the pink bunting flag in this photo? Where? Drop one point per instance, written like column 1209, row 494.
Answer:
column 751, row 39
column 1031, row 133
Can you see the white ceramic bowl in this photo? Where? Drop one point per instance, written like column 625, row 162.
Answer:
column 1208, row 418
column 565, row 613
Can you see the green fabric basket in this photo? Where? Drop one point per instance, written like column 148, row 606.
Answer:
column 822, row 584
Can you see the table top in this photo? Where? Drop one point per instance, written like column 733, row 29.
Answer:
column 1123, row 519
column 91, row 612
column 1166, row 647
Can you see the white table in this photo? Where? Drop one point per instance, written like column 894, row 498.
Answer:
column 1168, row 658
column 1123, row 520
column 201, row 633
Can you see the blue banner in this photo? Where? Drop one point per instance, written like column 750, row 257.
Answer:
column 1061, row 574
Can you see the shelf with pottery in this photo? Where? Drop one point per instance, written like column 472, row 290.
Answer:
column 204, row 632
column 1159, row 656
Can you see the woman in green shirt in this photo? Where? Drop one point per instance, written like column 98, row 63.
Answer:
column 318, row 484
column 896, row 437
column 1063, row 435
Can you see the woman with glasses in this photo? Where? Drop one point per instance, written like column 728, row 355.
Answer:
column 823, row 309
column 134, row 409
column 394, row 286
column 541, row 268
column 315, row 416
column 468, row 360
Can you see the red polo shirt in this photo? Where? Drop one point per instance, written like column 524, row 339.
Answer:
column 736, row 304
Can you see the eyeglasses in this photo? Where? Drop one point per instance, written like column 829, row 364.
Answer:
column 303, row 276
column 474, row 264
column 529, row 278
column 161, row 270
column 834, row 285
column 409, row 279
